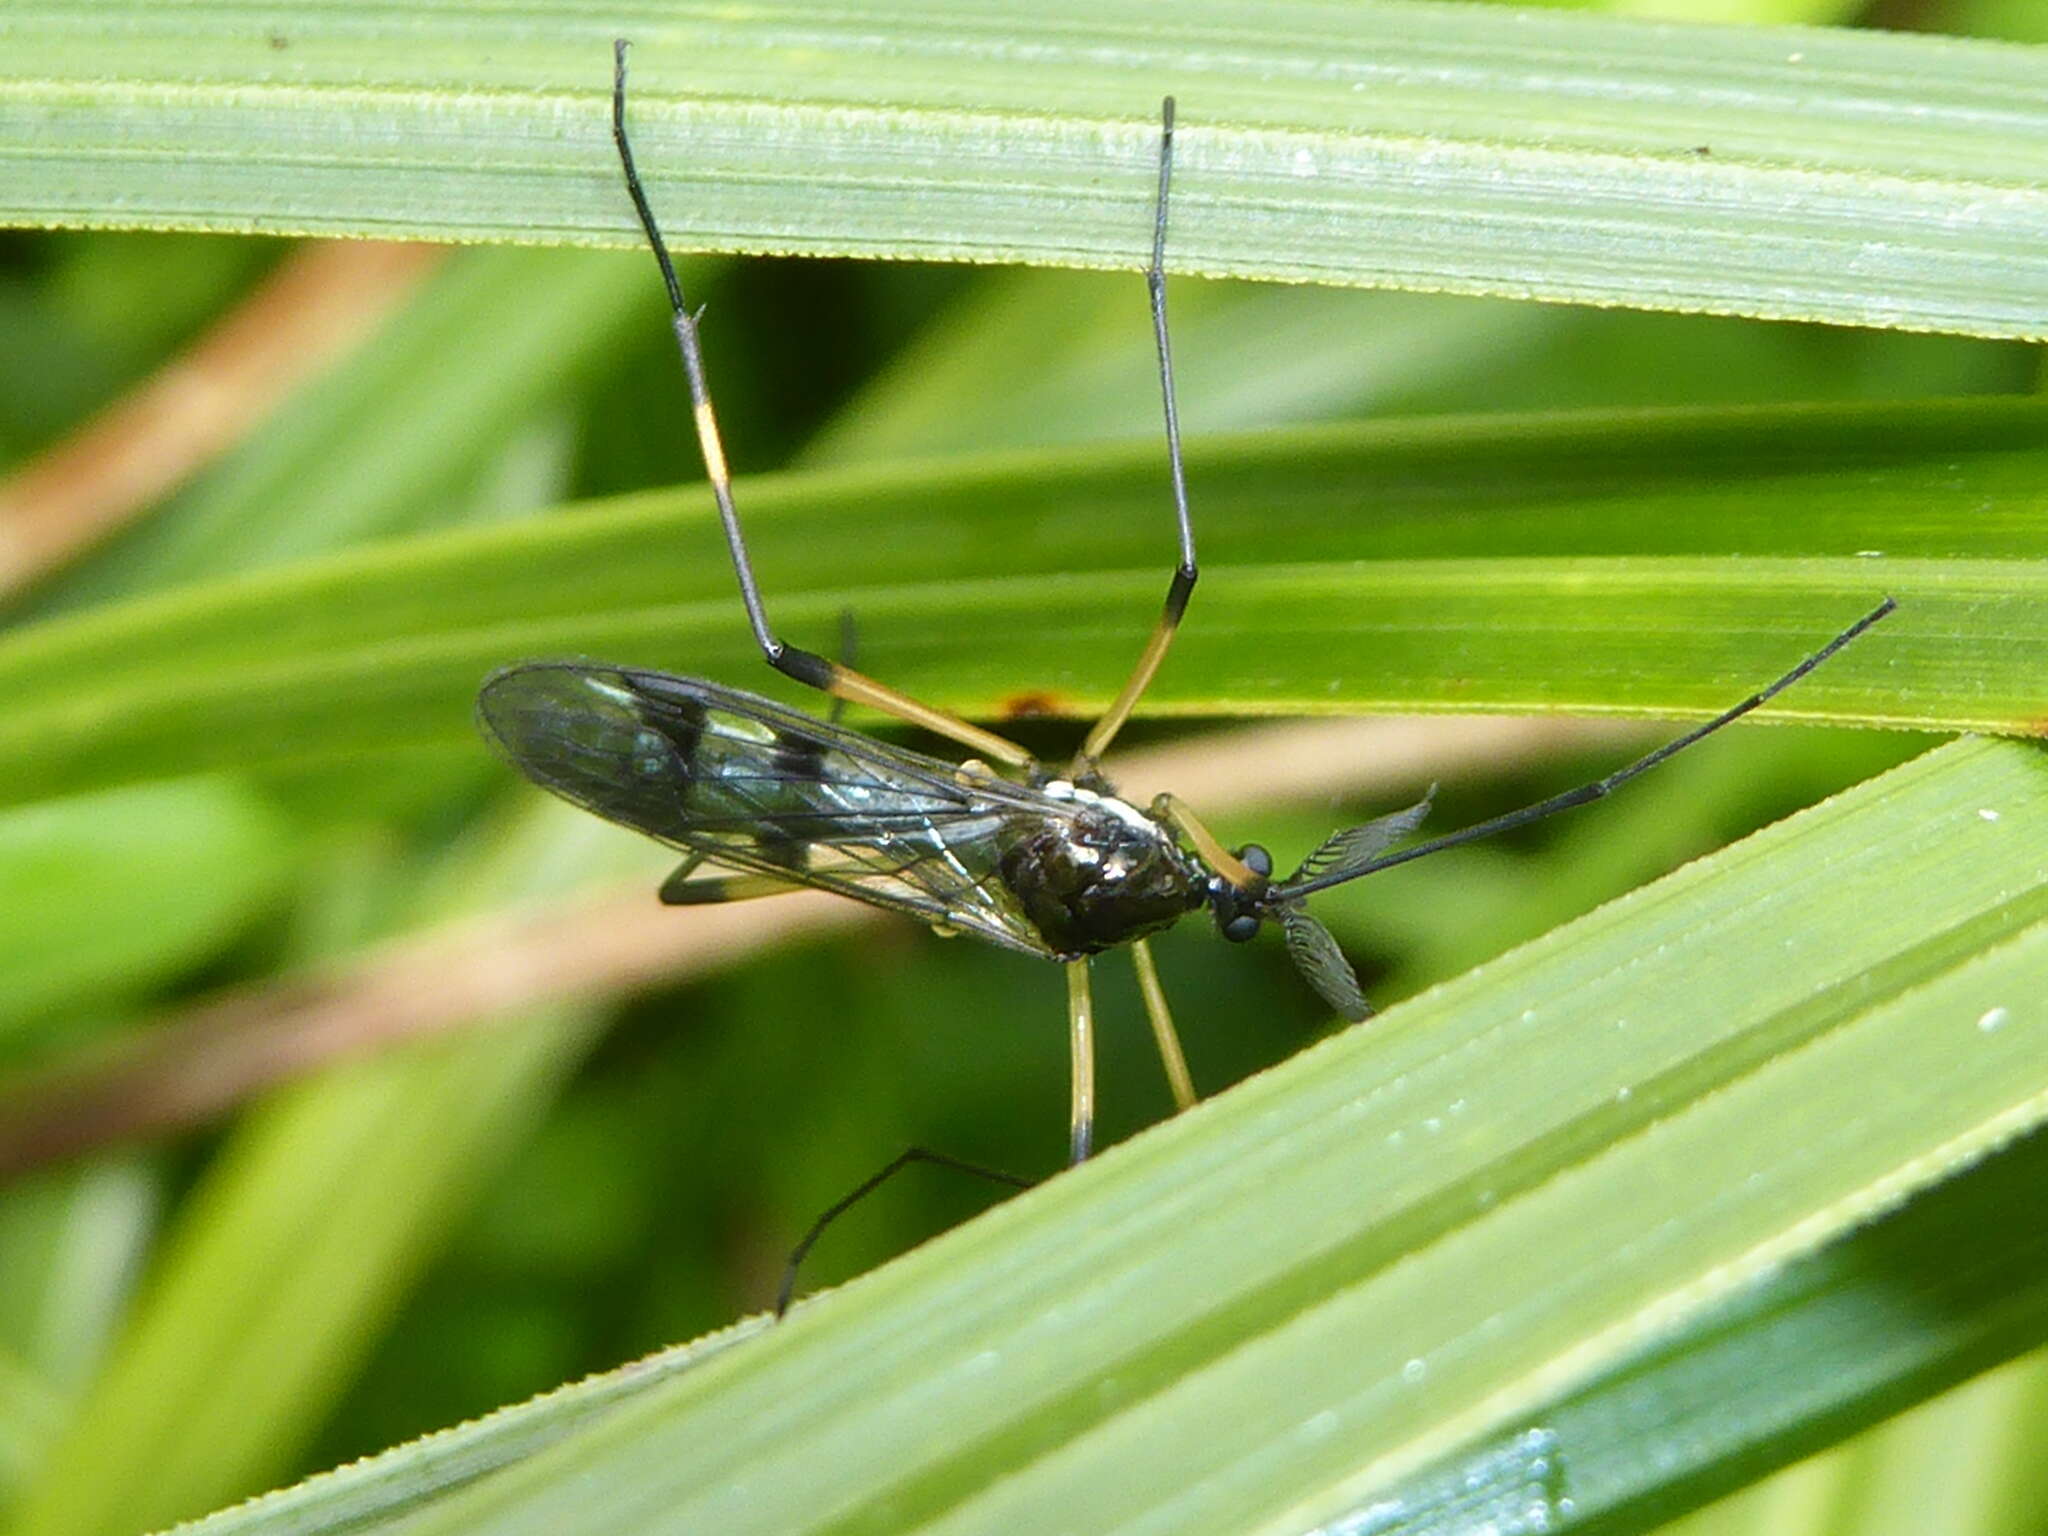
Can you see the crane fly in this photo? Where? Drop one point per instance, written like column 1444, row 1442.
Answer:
column 1052, row 864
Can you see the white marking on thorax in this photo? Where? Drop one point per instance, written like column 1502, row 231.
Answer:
column 1123, row 810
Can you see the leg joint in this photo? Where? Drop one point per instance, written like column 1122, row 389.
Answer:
column 806, row 667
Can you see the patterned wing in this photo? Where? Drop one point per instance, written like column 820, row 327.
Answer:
column 747, row 784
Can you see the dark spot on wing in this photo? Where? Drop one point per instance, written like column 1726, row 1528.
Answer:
column 682, row 722
column 798, row 757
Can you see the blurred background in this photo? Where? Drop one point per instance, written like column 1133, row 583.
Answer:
column 612, row 1175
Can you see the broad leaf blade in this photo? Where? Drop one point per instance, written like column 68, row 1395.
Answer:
column 1767, row 1375
column 1854, row 177
column 380, row 1490
column 1653, row 562
column 1271, row 1314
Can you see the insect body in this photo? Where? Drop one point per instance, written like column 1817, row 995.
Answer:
column 1056, row 870
column 1053, row 865
column 1053, row 868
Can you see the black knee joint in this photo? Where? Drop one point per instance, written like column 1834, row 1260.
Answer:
column 806, row 667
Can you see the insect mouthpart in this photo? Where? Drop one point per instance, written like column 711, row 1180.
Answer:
column 1240, row 912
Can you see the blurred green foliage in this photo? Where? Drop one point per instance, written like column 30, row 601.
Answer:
column 619, row 1179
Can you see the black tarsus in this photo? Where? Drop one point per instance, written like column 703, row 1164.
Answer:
column 1587, row 793
column 1185, row 574
column 792, row 661
column 1182, row 584
column 633, row 187
column 785, row 1292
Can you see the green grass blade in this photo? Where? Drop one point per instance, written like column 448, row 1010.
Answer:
column 1848, row 1336
column 1852, row 177
column 1646, row 562
column 1772, row 1371
column 71, row 1245
column 374, row 1493
column 112, row 894
column 395, row 436
column 1034, row 358
column 1275, row 1312
column 281, row 1270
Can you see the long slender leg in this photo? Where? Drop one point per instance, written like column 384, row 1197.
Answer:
column 806, row 667
column 1081, row 1033
column 1183, row 582
column 1163, row 1033
column 1214, row 854
column 868, row 1186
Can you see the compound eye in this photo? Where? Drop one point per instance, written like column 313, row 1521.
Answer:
column 1257, row 860
column 1241, row 927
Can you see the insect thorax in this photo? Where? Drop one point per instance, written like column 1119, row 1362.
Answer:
column 1103, row 877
